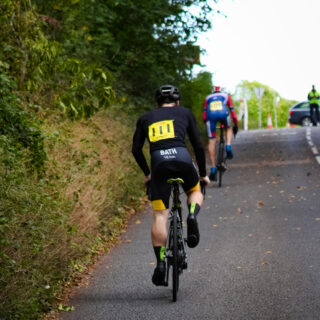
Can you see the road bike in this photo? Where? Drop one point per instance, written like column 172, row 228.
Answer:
column 175, row 251
column 221, row 161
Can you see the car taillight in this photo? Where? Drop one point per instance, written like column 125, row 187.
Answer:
column 290, row 112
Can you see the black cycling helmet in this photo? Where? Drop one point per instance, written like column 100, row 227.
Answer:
column 167, row 93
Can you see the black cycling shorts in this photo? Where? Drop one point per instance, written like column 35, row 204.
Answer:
column 171, row 163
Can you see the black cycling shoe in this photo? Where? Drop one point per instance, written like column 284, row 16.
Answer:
column 193, row 236
column 159, row 274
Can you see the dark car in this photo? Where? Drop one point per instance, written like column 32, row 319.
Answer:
column 299, row 113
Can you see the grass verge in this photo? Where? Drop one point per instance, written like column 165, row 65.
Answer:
column 52, row 226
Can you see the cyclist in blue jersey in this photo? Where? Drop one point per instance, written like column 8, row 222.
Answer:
column 216, row 109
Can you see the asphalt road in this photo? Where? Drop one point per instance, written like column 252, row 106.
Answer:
column 259, row 253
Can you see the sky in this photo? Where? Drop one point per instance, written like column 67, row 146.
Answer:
column 275, row 42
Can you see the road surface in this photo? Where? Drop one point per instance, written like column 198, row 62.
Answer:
column 259, row 252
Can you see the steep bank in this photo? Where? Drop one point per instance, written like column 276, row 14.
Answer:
column 60, row 220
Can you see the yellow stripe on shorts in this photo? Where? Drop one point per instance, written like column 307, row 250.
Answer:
column 158, row 205
column 195, row 188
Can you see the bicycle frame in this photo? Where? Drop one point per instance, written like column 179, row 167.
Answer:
column 175, row 254
column 221, row 159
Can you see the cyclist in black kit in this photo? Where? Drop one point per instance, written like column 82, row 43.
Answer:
column 166, row 128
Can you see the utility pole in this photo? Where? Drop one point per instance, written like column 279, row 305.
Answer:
column 259, row 93
column 276, row 100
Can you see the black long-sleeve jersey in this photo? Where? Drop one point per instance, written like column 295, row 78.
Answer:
column 166, row 128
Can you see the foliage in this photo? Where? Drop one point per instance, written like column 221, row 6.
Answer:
column 246, row 90
column 17, row 128
column 73, row 205
column 194, row 91
column 89, row 89
column 31, row 222
column 46, row 73
column 145, row 43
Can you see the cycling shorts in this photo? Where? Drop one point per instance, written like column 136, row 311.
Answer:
column 211, row 124
column 175, row 162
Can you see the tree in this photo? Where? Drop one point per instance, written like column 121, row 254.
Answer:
column 144, row 44
column 246, row 90
column 193, row 93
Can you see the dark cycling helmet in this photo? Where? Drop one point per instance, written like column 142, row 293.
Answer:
column 166, row 94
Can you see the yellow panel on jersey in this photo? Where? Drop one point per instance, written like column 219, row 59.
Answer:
column 161, row 130
column 215, row 105
column 195, row 188
column 158, row 205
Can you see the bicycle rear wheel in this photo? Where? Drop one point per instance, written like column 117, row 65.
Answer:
column 220, row 163
column 175, row 268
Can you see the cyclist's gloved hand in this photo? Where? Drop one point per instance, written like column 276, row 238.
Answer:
column 235, row 130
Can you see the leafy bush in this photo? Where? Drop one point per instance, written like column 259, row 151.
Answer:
column 17, row 128
column 87, row 89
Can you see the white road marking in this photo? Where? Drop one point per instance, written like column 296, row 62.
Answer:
column 311, row 144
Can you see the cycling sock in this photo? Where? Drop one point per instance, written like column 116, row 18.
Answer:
column 159, row 252
column 228, row 147
column 194, row 208
column 213, row 170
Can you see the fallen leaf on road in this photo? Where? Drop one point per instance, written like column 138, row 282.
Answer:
column 264, row 263
column 207, row 250
column 127, row 241
column 281, row 191
column 250, row 235
column 269, row 238
column 152, row 263
column 138, row 222
column 301, row 188
column 275, row 182
column 215, row 225
column 260, row 203
column 317, row 219
column 239, row 210
column 238, row 268
column 268, row 252
column 298, row 228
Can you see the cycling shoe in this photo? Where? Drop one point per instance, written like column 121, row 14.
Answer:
column 159, row 274
column 229, row 152
column 213, row 174
column 193, row 235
